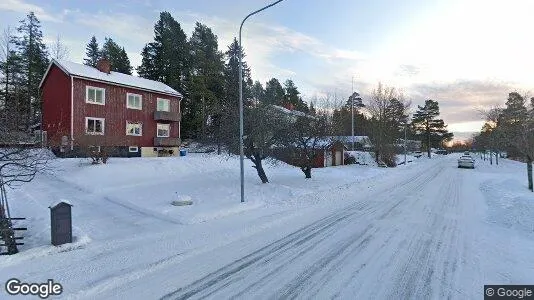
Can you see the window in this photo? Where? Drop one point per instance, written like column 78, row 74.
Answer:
column 94, row 149
column 164, row 105
column 134, row 101
column 95, row 95
column 133, row 149
column 94, row 125
column 133, row 128
column 164, row 130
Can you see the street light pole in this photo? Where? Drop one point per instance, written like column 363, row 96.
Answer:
column 241, row 150
column 405, row 126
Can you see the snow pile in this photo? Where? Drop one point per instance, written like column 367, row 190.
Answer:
column 152, row 184
column 509, row 204
column 362, row 157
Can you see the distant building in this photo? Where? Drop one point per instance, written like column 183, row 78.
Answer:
column 361, row 142
column 411, row 145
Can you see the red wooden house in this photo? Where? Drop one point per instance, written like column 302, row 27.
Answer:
column 84, row 106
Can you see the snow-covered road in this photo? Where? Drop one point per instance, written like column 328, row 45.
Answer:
column 421, row 232
column 410, row 242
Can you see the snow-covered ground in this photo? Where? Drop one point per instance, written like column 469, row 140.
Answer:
column 424, row 230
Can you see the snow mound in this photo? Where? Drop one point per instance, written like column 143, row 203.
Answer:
column 362, row 157
column 510, row 204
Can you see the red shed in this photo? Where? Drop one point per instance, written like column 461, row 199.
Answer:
column 85, row 106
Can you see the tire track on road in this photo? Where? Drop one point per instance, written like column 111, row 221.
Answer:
column 218, row 280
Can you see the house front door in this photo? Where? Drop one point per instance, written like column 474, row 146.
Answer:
column 339, row 157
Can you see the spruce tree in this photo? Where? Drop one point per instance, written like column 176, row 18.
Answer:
column 34, row 62
column 10, row 81
column 117, row 56
column 166, row 59
column 258, row 93
column 274, row 92
column 92, row 53
column 292, row 97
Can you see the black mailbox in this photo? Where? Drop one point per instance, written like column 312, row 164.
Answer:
column 61, row 223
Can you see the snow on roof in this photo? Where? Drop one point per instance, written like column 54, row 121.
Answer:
column 364, row 140
column 55, row 203
column 292, row 112
column 89, row 72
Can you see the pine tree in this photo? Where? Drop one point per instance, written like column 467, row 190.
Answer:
column 92, row 53
column 427, row 125
column 34, row 64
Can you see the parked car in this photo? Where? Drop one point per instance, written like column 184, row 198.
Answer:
column 466, row 161
column 504, row 154
column 418, row 154
column 442, row 152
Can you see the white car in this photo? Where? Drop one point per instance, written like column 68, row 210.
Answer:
column 466, row 161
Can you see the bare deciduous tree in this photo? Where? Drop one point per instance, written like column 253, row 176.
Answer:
column 388, row 108
column 58, row 50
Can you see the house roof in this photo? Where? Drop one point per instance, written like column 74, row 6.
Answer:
column 290, row 112
column 116, row 78
column 364, row 140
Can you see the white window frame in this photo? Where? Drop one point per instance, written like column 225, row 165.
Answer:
column 88, row 87
column 133, row 147
column 103, row 126
column 140, row 101
column 168, row 101
column 134, row 123
column 163, row 125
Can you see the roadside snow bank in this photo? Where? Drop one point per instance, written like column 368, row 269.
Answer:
column 509, row 204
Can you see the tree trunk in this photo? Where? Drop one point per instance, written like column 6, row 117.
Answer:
column 259, row 168
column 529, row 173
column 497, row 158
column 491, row 157
column 307, row 171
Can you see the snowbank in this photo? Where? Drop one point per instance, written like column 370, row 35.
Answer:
column 362, row 157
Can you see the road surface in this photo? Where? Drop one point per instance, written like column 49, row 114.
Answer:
column 411, row 241
column 417, row 233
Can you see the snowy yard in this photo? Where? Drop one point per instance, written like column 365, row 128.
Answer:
column 425, row 230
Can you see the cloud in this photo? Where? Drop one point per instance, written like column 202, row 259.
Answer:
column 20, row 6
column 408, row 70
column 460, row 101
column 132, row 28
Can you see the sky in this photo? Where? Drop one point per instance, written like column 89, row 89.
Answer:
column 465, row 54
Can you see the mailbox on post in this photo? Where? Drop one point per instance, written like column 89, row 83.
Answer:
column 61, row 223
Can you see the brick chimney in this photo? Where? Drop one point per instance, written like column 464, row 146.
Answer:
column 104, row 65
column 289, row 106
